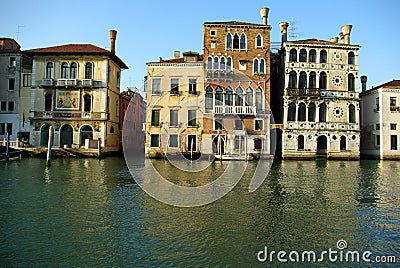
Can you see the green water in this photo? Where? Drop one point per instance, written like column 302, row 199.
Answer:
column 90, row 212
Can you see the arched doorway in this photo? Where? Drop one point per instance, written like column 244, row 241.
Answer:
column 219, row 144
column 66, row 135
column 44, row 134
column 85, row 133
column 322, row 144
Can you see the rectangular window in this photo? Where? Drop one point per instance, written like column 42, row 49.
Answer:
column 118, row 78
column 259, row 124
column 378, row 140
column 238, row 124
column 237, row 145
column 218, row 124
column 257, row 144
column 378, row 127
column 192, row 122
column 2, row 129
column 393, row 142
column 175, row 86
column 156, row 86
column 393, row 126
column 4, row 106
column 155, row 140
column 393, row 104
column 9, row 128
column 173, row 140
column 193, row 86
column 27, row 80
column 377, row 104
column 13, row 62
column 155, row 118
column 11, row 84
column 11, row 106
column 213, row 44
column 173, row 118
column 213, row 33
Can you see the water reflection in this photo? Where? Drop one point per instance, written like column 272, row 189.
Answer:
column 86, row 212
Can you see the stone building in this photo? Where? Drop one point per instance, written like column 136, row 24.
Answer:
column 175, row 100
column 316, row 80
column 237, row 87
column 75, row 89
column 380, row 117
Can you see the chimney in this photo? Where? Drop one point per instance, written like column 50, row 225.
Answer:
column 341, row 35
column 283, row 26
column 177, row 54
column 264, row 15
column 346, row 29
column 334, row 39
column 113, row 38
column 364, row 83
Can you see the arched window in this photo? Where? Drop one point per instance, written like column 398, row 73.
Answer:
column 249, row 97
column 235, row 41
column 239, row 97
column 49, row 70
column 259, row 41
column 300, row 142
column 262, row 66
column 322, row 80
column 117, row 107
column 243, row 42
column 322, row 112
column 255, row 66
column 222, row 64
column 87, row 103
column 303, row 80
column 352, row 114
column 323, row 58
column 343, row 143
column 350, row 82
column 293, row 55
column 312, row 56
column 291, row 112
column 312, row 80
column 292, row 79
column 209, row 63
column 228, row 96
column 229, row 63
column 112, row 130
column 88, row 70
column 218, row 96
column 229, row 41
column 209, row 98
column 259, row 99
column 48, row 102
column 351, row 58
column 311, row 112
column 303, row 55
column 64, row 70
column 73, row 70
column 301, row 115
column 216, row 63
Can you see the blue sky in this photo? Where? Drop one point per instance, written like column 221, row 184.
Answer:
column 148, row 30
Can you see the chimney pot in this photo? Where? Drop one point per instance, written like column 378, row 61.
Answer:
column 364, row 83
column 113, row 38
column 264, row 15
column 334, row 39
column 346, row 29
column 283, row 27
column 177, row 54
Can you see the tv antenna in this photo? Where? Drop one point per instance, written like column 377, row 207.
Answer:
column 293, row 30
column 19, row 30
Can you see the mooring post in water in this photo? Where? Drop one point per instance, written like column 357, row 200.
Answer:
column 8, row 147
column 99, row 147
column 49, row 143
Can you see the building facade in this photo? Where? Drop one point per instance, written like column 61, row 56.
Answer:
column 237, row 87
column 75, row 89
column 380, row 117
column 174, row 101
column 11, row 65
column 320, row 97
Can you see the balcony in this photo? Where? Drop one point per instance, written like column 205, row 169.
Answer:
column 235, row 110
column 45, row 82
column 63, row 82
column 322, row 93
column 219, row 74
column 75, row 115
column 338, row 126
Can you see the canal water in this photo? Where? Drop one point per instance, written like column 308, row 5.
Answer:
column 90, row 212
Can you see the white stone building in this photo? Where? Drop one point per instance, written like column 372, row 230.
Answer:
column 320, row 97
column 380, row 117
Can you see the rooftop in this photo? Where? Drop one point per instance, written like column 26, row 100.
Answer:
column 235, row 23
